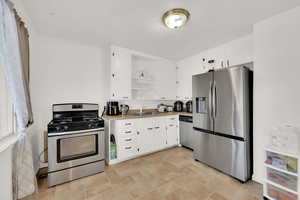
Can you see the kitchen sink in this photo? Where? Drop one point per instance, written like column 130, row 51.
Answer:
column 144, row 113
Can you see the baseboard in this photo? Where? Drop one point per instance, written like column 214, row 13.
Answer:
column 257, row 179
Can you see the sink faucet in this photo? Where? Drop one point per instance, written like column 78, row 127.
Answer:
column 141, row 109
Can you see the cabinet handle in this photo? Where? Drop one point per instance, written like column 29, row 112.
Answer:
column 127, row 140
column 171, row 125
column 127, row 132
column 172, row 118
column 127, row 124
column 227, row 63
column 163, row 98
column 127, row 147
column 150, row 128
column 222, row 63
column 125, row 97
column 157, row 127
column 113, row 75
column 137, row 132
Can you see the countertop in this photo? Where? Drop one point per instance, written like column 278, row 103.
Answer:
column 130, row 116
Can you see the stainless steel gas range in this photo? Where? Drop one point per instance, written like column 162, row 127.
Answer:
column 75, row 142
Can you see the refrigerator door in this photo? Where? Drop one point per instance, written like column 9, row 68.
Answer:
column 224, row 154
column 202, row 101
column 231, row 157
column 205, row 148
column 231, row 102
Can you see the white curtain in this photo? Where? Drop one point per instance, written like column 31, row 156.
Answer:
column 24, row 182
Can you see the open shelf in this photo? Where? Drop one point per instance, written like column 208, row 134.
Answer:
column 282, row 153
column 281, row 170
column 281, row 187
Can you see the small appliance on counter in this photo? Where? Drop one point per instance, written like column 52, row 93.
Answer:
column 124, row 109
column 112, row 108
column 170, row 108
column 161, row 107
column 189, row 106
column 178, row 106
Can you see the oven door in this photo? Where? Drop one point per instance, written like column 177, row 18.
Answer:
column 69, row 149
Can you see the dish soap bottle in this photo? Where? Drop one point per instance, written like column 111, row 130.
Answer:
column 113, row 147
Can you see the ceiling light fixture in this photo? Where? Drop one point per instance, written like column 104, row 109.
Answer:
column 176, row 18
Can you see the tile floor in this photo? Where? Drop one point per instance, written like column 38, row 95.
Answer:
column 167, row 175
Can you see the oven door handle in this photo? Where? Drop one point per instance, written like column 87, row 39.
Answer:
column 74, row 133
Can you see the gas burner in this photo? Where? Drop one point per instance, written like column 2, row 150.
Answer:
column 74, row 120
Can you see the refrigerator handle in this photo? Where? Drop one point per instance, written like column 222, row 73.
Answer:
column 215, row 110
column 210, row 99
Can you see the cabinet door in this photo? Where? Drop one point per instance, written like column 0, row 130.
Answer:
column 165, row 80
column 145, row 136
column 239, row 51
column 172, row 135
column 184, row 81
column 120, row 74
column 159, row 133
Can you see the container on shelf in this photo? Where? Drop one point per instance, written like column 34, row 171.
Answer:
column 279, row 194
column 285, row 138
column 283, row 179
column 283, row 162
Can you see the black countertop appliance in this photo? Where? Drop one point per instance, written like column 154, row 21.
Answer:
column 112, row 108
column 189, row 106
column 178, row 106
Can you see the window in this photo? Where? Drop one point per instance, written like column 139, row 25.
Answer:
column 6, row 108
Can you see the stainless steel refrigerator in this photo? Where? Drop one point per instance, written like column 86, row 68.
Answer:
column 221, row 120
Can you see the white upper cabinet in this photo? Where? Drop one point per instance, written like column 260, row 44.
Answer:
column 165, row 80
column 120, row 73
column 239, row 51
column 184, row 83
column 185, row 70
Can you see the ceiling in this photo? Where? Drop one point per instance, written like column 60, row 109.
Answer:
column 137, row 24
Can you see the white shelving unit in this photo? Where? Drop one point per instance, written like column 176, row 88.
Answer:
column 281, row 175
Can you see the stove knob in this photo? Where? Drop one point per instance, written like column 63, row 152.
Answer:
column 66, row 128
column 57, row 128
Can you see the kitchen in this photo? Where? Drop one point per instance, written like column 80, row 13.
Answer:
column 68, row 66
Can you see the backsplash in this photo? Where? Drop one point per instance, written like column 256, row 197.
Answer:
column 151, row 104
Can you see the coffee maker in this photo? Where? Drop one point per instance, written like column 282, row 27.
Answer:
column 112, row 108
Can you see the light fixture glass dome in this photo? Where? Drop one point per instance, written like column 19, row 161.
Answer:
column 176, row 18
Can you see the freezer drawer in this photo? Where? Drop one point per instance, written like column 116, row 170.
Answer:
column 225, row 154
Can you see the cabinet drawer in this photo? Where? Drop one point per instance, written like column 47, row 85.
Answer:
column 172, row 120
column 126, row 151
column 171, row 125
column 284, row 179
column 124, row 124
column 280, row 194
column 126, row 133
column 127, row 141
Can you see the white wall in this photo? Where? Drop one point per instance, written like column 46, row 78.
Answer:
column 276, row 78
column 63, row 72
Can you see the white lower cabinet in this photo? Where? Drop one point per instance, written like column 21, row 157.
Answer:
column 172, row 138
column 137, row 137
